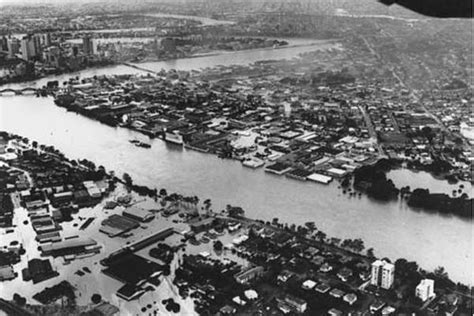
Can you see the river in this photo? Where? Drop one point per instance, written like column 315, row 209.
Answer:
column 391, row 228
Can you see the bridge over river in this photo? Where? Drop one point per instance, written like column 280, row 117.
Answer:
column 19, row 91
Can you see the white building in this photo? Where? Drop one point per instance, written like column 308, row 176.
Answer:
column 425, row 290
column 383, row 274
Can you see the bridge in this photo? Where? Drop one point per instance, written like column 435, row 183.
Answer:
column 27, row 90
column 140, row 68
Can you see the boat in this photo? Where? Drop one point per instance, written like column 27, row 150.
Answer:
column 143, row 145
column 138, row 143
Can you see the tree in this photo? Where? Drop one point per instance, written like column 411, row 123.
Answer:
column 440, row 272
column 428, row 133
column 96, row 298
column 207, row 203
column 218, row 245
column 236, row 211
column 311, row 226
column 358, row 245
column 163, row 192
column 302, row 230
column 127, row 179
column 335, row 241
column 370, row 253
column 321, row 235
column 20, row 300
column 166, row 270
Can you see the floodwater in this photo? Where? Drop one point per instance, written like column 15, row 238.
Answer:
column 392, row 228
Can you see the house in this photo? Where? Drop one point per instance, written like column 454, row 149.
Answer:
column 116, row 224
column 376, row 306
column 129, row 292
column 6, row 212
column 344, row 274
column 228, row 310
column 322, row 288
column 335, row 312
column 297, row 304
column 249, row 274
column 233, row 227
column 336, row 172
column 38, row 270
column 325, row 268
column 62, row 197
column 43, row 224
column 92, row 189
column 71, row 246
column 388, row 310
column 7, row 273
column 138, row 214
column 82, row 198
column 237, row 300
column 201, row 225
column 308, row 285
column 350, row 298
column 237, row 241
column 318, row 260
column 251, row 295
column 284, row 276
column 104, row 309
column 336, row 293
column 310, row 252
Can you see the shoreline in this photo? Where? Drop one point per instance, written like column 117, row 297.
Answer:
column 352, row 189
column 328, row 243
column 209, row 54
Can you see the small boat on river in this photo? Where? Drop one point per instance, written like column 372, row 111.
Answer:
column 140, row 143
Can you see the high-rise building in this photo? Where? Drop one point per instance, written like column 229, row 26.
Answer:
column 37, row 44
column 29, row 47
column 425, row 290
column 3, row 44
column 87, row 45
column 51, row 56
column 13, row 46
column 45, row 39
column 383, row 274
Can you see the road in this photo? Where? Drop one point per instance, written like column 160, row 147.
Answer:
column 12, row 309
column 372, row 132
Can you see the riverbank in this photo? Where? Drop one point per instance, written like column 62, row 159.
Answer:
column 392, row 222
column 370, row 170
column 307, row 234
column 374, row 181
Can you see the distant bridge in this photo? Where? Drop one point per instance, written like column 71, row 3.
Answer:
column 139, row 68
column 27, row 90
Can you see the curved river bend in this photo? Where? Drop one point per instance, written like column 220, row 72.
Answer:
column 391, row 228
